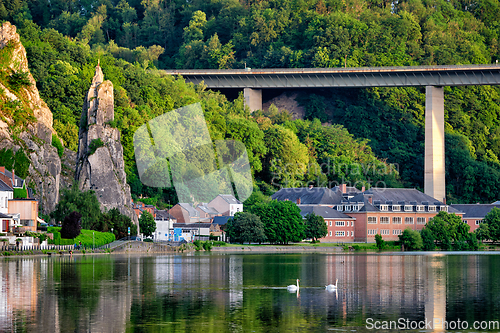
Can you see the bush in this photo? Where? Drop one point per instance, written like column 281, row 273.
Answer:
column 20, row 193
column 380, row 241
column 411, row 239
column 86, row 237
column 94, row 145
column 57, row 143
column 18, row 80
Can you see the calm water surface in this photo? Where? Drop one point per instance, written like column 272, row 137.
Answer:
column 246, row 293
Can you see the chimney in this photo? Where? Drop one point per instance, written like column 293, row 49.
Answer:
column 13, row 178
column 298, row 201
column 362, row 189
column 343, row 188
column 2, row 169
column 370, row 199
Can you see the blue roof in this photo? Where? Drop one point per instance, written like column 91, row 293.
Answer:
column 221, row 220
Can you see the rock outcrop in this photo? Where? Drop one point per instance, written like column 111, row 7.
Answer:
column 35, row 139
column 99, row 165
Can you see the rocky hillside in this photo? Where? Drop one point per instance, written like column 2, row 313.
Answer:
column 26, row 131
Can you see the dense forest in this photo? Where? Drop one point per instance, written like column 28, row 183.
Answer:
column 372, row 128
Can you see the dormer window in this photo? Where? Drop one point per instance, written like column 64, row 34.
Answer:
column 432, row 208
column 420, row 208
column 443, row 208
column 340, row 208
column 396, row 208
column 408, row 208
column 348, row 208
column 354, row 208
column 384, row 208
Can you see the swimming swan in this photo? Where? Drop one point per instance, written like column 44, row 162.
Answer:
column 293, row 288
column 332, row 287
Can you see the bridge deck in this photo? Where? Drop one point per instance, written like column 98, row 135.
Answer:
column 344, row 77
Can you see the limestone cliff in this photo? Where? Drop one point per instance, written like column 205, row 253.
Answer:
column 100, row 165
column 26, row 121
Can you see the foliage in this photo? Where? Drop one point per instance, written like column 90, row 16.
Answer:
column 17, row 161
column 40, row 235
column 449, row 231
column 20, row 193
column 86, row 237
column 245, row 227
column 119, row 223
column 411, row 240
column 57, row 143
column 71, row 226
column 315, row 227
column 85, row 203
column 94, row 145
column 427, row 239
column 282, row 221
column 19, row 80
column 483, row 232
column 492, row 219
column 147, row 224
column 380, row 242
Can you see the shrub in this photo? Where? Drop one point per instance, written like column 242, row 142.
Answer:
column 20, row 193
column 94, row 145
column 18, row 80
column 380, row 241
column 56, row 142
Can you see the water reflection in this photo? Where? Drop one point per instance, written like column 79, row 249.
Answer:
column 227, row 293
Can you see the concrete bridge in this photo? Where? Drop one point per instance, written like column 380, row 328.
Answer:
column 252, row 81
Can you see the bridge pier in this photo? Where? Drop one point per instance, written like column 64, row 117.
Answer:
column 253, row 98
column 434, row 164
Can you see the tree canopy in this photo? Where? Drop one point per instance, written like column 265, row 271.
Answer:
column 315, row 227
column 147, row 224
column 245, row 227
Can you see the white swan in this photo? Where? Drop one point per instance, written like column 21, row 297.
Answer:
column 293, row 288
column 332, row 287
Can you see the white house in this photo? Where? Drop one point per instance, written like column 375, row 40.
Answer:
column 226, row 204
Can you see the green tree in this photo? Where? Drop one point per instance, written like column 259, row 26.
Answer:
column 427, row 239
column 315, row 227
column 147, row 224
column 411, row 240
column 282, row 221
column 85, row 203
column 449, row 230
column 119, row 223
column 483, row 232
column 493, row 221
column 380, row 242
column 245, row 227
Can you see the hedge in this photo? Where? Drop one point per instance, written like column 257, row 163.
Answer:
column 100, row 238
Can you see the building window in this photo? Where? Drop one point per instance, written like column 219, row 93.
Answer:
column 352, row 223
column 420, row 220
column 384, row 208
column 396, row 220
column 330, row 234
column 352, row 233
column 340, row 223
column 420, row 208
column 443, row 208
column 408, row 220
column 385, row 232
column 372, row 231
column 340, row 208
column 331, row 223
column 396, row 232
column 372, row 219
column 396, row 208
column 384, row 220
column 339, row 233
column 408, row 208
column 348, row 208
column 432, row 208
column 478, row 221
column 354, row 208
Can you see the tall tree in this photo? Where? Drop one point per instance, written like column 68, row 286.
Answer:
column 147, row 224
